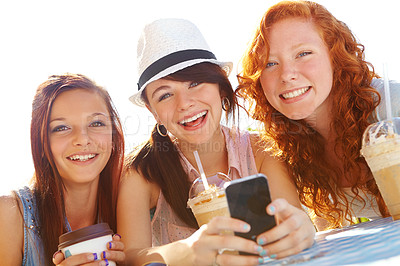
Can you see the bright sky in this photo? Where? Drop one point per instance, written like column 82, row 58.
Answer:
column 98, row 39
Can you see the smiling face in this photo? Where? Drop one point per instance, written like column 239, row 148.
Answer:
column 190, row 111
column 298, row 77
column 80, row 133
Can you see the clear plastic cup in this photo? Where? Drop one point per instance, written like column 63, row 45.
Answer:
column 381, row 150
column 207, row 204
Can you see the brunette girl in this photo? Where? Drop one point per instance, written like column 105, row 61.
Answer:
column 77, row 148
column 187, row 90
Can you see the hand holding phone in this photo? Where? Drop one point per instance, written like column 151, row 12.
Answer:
column 248, row 199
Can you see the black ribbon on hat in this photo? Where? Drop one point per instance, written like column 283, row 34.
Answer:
column 171, row 60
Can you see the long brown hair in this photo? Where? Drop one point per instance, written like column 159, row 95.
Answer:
column 47, row 183
column 158, row 159
column 296, row 141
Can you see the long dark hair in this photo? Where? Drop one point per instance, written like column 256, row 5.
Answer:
column 296, row 141
column 47, row 183
column 158, row 159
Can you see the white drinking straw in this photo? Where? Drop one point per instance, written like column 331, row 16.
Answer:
column 202, row 174
column 387, row 93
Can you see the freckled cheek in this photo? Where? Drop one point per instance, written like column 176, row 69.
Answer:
column 267, row 82
column 267, row 89
column 325, row 79
column 321, row 69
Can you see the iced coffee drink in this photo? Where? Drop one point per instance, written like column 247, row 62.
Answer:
column 211, row 202
column 381, row 149
column 206, row 204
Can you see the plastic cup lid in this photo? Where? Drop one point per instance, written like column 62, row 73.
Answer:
column 83, row 234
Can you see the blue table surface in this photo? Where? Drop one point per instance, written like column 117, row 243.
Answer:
column 370, row 243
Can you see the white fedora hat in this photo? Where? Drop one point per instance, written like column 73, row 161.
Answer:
column 166, row 46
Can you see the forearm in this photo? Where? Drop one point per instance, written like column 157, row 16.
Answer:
column 176, row 253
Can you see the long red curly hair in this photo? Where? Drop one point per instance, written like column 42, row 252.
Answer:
column 297, row 142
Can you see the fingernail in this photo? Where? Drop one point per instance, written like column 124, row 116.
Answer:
column 263, row 253
column 94, row 256
column 104, row 254
column 246, row 227
column 260, row 260
column 273, row 256
column 272, row 209
column 54, row 255
column 261, row 241
column 104, row 262
column 259, row 249
column 109, row 245
column 117, row 235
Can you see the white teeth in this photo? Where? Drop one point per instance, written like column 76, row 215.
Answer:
column 193, row 118
column 295, row 93
column 82, row 158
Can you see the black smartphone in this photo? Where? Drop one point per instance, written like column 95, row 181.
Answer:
column 248, row 198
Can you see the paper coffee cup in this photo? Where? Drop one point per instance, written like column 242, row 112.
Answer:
column 90, row 239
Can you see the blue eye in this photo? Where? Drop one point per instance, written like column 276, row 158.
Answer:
column 164, row 96
column 60, row 128
column 270, row 64
column 304, row 54
column 194, row 84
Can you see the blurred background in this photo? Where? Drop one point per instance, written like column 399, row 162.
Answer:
column 98, row 39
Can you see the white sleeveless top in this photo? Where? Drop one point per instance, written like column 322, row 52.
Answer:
column 368, row 209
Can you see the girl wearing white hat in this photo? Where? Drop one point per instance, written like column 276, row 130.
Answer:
column 186, row 89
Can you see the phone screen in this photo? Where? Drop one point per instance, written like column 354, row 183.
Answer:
column 247, row 200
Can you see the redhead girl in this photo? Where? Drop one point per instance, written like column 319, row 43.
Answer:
column 187, row 90
column 77, row 149
column 306, row 79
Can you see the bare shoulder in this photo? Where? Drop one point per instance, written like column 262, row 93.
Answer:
column 131, row 175
column 266, row 161
column 255, row 138
column 11, row 205
column 276, row 171
column 11, row 230
column 260, row 151
column 132, row 178
column 133, row 182
column 135, row 199
column 256, row 143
